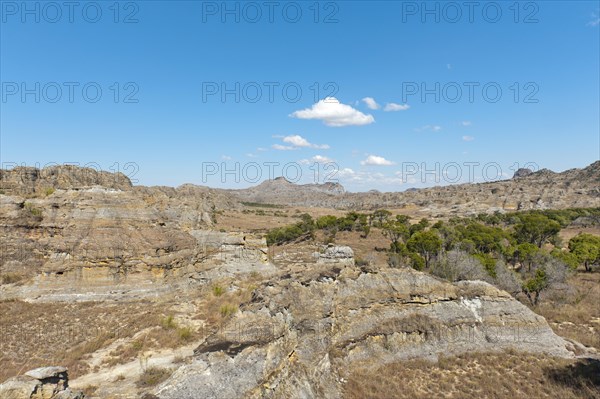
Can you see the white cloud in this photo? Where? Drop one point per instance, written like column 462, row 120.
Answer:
column 371, row 103
column 376, row 160
column 226, row 158
column 283, row 147
column 466, row 123
column 468, row 138
column 433, row 128
column 334, row 114
column 595, row 20
column 250, row 155
column 261, row 149
column 299, row 141
column 390, row 107
column 317, row 159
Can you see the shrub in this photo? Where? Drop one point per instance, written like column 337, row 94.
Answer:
column 218, row 290
column 416, row 261
column 49, row 191
column 153, row 376
column 168, row 323
column 458, row 265
column 185, row 333
column 227, row 310
column 488, row 262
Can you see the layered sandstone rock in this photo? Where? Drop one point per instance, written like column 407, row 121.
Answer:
column 41, row 383
column 301, row 339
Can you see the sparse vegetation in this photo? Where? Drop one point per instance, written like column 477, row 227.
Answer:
column 505, row 375
column 218, row 290
column 153, row 376
column 227, row 310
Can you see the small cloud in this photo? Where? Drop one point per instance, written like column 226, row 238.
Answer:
column 468, row 138
column 376, row 160
column 250, row 155
column 317, row 159
column 390, row 107
column 466, row 123
column 261, row 149
column 334, row 114
column 280, row 147
column 299, row 141
column 226, row 158
column 296, row 142
column 371, row 103
column 448, row 66
column 595, row 20
column 433, row 128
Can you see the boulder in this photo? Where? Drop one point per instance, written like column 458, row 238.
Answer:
column 40, row 383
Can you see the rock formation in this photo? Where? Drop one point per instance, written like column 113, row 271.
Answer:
column 299, row 340
column 41, row 383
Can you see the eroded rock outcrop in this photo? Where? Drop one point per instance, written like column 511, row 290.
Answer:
column 41, row 383
column 300, row 340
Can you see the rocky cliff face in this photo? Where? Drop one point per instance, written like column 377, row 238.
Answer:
column 92, row 232
column 299, row 340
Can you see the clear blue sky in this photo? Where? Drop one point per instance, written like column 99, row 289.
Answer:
column 370, row 56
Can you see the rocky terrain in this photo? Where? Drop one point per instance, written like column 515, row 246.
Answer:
column 83, row 249
column 538, row 190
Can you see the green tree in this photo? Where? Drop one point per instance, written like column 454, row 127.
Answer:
column 425, row 243
column 380, row 216
column 525, row 254
column 568, row 258
column 586, row 247
column 396, row 231
column 533, row 286
column 536, row 229
column 421, row 226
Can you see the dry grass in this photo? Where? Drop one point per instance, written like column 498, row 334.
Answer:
column 36, row 335
column 476, row 376
column 576, row 315
column 153, row 376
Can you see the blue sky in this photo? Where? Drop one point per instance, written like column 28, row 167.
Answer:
column 162, row 66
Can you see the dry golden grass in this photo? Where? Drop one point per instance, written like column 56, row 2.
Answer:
column 476, row 376
column 35, row 335
column 576, row 315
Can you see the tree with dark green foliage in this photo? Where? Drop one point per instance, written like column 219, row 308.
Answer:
column 525, row 253
column 536, row 229
column 568, row 258
column 486, row 239
column 421, row 226
column 396, row 231
column 416, row 261
column 533, row 286
column 586, row 247
column 426, row 243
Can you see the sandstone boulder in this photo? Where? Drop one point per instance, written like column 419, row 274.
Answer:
column 41, row 383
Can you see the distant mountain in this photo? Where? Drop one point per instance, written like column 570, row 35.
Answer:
column 526, row 190
column 282, row 191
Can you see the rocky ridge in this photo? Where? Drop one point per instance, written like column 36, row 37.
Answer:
column 543, row 189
